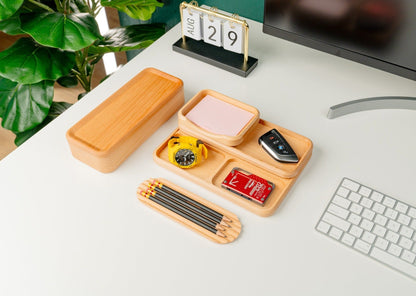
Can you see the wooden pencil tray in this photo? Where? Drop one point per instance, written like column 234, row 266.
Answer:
column 189, row 127
column 247, row 156
column 106, row 136
column 231, row 233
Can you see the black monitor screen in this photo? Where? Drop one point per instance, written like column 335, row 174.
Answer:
column 379, row 33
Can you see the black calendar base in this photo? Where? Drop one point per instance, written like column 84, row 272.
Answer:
column 216, row 56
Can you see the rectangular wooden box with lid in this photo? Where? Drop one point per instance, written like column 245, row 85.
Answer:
column 106, row 136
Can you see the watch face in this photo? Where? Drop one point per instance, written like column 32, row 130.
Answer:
column 185, row 157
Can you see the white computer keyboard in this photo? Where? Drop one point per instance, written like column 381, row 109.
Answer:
column 374, row 224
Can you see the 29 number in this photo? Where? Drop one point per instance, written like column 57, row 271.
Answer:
column 231, row 35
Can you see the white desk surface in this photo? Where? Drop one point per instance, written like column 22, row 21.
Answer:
column 66, row 229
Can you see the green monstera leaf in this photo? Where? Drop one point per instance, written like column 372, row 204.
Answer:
column 23, row 106
column 27, row 62
column 11, row 25
column 70, row 32
column 137, row 9
column 56, row 109
column 127, row 38
column 9, row 7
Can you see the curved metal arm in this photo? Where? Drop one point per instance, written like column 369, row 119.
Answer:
column 372, row 104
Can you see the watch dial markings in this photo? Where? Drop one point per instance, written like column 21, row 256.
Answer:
column 185, row 157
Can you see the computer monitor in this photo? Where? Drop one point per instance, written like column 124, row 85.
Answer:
column 378, row 33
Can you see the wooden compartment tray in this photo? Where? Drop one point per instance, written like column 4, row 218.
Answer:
column 231, row 233
column 189, row 127
column 106, row 136
column 248, row 156
column 245, row 144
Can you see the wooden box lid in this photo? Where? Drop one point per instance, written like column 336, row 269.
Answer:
column 112, row 131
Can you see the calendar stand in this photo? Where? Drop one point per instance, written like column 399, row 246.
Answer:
column 216, row 56
column 222, row 55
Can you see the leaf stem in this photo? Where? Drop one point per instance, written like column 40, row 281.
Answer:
column 58, row 5
column 41, row 5
column 66, row 7
column 84, row 69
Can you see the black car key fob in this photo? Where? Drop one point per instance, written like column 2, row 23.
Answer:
column 277, row 147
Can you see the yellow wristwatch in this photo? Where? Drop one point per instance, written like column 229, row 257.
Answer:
column 186, row 152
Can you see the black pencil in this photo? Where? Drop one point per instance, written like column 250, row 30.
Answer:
column 183, row 208
column 196, row 205
column 190, row 209
column 189, row 200
column 190, row 206
column 182, row 214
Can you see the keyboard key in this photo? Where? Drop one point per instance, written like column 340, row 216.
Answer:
column 354, row 197
column 392, row 237
column 381, row 243
column 403, row 219
column 365, row 191
column 401, row 207
column 356, row 231
column 351, row 185
column 392, row 214
column 323, row 227
column 366, row 202
column 354, row 219
column 341, row 201
column 393, row 225
column 394, row 262
column 408, row 256
column 368, row 237
column 379, row 230
column 376, row 196
column 380, row 220
column 388, row 201
column 355, row 208
column 348, row 239
column 406, row 231
column 394, row 250
column 368, row 214
column 412, row 212
column 413, row 224
column 336, row 221
column 367, row 225
column 378, row 208
column 362, row 246
column 405, row 243
column 338, row 211
column 335, row 233
column 343, row 192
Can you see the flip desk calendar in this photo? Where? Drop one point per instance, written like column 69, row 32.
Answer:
column 215, row 38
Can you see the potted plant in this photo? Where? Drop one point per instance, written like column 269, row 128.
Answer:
column 61, row 43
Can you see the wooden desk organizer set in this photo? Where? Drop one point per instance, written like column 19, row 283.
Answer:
column 105, row 137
